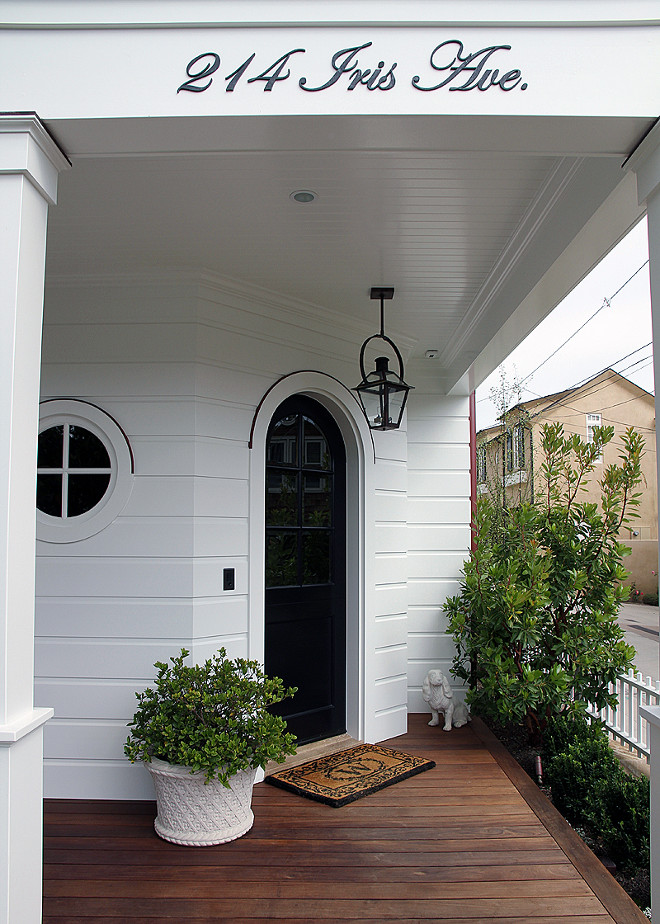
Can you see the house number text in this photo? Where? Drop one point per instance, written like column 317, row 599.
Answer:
column 451, row 67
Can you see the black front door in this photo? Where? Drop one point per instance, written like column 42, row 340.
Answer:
column 305, row 566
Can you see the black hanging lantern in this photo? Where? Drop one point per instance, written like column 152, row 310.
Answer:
column 383, row 392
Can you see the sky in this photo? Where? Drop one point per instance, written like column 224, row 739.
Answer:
column 618, row 336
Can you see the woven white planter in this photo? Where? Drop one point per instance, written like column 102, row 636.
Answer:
column 197, row 814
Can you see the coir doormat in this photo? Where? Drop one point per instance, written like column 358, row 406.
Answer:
column 348, row 775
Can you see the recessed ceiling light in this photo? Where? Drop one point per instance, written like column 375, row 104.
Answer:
column 303, row 195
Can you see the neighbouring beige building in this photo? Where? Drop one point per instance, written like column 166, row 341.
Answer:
column 509, row 457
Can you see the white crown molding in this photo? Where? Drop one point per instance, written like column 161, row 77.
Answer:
column 511, row 257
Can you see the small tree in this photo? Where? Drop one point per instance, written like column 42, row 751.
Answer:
column 535, row 623
column 513, row 430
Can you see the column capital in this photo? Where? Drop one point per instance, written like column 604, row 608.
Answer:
column 645, row 164
column 27, row 148
column 10, row 734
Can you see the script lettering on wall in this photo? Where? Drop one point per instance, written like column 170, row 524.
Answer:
column 450, row 67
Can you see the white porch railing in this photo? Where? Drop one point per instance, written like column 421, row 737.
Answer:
column 625, row 723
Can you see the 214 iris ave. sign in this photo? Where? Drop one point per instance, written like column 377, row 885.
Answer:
column 451, row 67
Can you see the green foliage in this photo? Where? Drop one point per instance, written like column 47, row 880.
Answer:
column 509, row 447
column 212, row 717
column 535, row 623
column 590, row 788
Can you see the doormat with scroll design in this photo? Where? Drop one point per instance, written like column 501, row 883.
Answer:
column 348, row 775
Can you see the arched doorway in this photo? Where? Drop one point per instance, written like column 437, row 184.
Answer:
column 305, row 631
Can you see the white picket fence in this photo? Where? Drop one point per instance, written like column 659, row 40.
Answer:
column 625, row 724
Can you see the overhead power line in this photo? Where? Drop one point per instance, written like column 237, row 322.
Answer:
column 606, row 304
column 596, row 386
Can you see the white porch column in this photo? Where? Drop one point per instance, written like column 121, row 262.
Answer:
column 652, row 716
column 645, row 162
column 29, row 166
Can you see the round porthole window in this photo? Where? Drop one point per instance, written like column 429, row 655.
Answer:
column 84, row 471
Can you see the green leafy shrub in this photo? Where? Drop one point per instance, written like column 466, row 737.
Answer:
column 212, row 717
column 577, row 774
column 535, row 623
column 566, row 730
column 590, row 788
column 625, row 820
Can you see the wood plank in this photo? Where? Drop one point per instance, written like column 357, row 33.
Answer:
column 179, row 910
column 76, row 919
column 228, row 873
column 192, row 888
column 313, row 857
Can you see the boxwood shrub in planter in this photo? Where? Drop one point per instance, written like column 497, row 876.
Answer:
column 203, row 731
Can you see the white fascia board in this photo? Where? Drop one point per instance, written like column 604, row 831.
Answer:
column 258, row 13
column 609, row 224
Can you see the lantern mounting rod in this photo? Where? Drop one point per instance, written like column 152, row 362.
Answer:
column 382, row 292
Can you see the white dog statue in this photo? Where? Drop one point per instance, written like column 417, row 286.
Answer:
column 437, row 692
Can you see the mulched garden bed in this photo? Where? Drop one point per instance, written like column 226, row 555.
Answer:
column 514, row 737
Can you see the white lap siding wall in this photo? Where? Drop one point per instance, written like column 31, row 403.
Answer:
column 182, row 365
column 107, row 607
column 438, row 528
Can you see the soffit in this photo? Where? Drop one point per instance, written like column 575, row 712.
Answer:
column 463, row 231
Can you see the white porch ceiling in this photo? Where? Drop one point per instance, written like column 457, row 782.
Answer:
column 463, row 222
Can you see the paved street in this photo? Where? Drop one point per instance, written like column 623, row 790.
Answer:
column 640, row 623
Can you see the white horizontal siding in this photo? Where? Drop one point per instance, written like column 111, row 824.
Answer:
column 430, row 646
column 161, row 496
column 391, row 539
column 112, row 381
column 443, row 510
column 389, row 569
column 426, row 619
column 435, row 537
column 390, row 599
column 438, row 484
column 96, row 779
column 391, row 506
column 429, row 591
column 122, row 342
column 103, row 659
column 434, row 457
column 221, row 497
column 151, row 582
column 139, row 537
column 390, row 542
column 183, row 376
column 90, row 740
column 438, row 530
column 391, row 631
column 435, row 565
column 391, row 661
column 90, row 698
column 433, row 430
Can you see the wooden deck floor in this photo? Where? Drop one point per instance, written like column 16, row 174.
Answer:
column 471, row 841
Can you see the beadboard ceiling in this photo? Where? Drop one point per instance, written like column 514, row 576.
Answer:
column 463, row 223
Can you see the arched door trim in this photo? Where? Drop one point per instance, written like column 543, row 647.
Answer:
column 339, row 401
